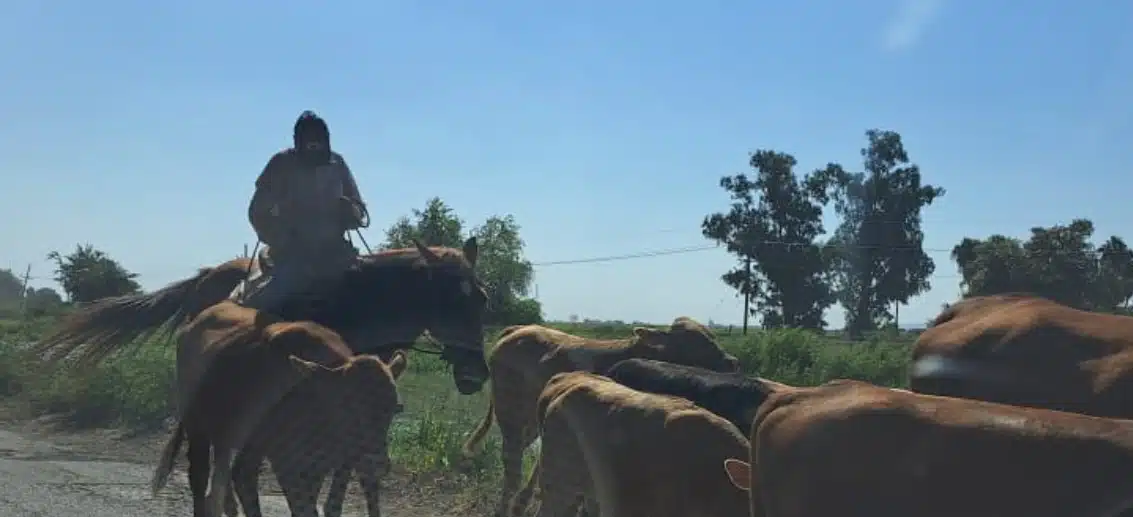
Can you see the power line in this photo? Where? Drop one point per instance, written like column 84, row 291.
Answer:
column 693, row 249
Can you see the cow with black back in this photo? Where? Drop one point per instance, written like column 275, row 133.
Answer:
column 732, row 395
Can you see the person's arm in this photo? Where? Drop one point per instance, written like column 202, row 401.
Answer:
column 263, row 210
column 351, row 192
column 349, row 185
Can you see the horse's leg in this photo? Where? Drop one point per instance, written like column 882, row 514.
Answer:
column 199, row 457
column 336, row 494
column 246, row 481
column 220, row 483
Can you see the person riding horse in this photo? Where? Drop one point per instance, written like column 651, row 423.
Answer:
column 306, row 199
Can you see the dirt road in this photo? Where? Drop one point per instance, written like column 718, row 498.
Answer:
column 94, row 475
column 39, row 478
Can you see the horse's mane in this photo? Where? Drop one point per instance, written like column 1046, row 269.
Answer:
column 411, row 257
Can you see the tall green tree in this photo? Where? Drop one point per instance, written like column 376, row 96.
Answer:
column 501, row 266
column 773, row 222
column 879, row 244
column 88, row 274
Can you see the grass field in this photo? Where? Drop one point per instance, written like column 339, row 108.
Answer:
column 134, row 389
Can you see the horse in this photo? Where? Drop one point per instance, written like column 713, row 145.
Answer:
column 383, row 303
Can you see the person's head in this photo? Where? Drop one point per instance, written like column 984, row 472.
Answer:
column 312, row 137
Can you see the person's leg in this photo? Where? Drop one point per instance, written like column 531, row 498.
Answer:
column 270, row 291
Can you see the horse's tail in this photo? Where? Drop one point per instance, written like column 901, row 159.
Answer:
column 107, row 325
column 168, row 457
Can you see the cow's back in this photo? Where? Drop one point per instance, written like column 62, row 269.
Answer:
column 885, row 452
column 1030, row 352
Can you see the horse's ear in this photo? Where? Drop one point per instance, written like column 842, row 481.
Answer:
column 425, row 252
column 471, row 251
column 398, row 363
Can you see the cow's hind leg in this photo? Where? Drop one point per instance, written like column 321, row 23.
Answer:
column 369, row 476
column 199, row 457
column 301, row 490
column 515, row 440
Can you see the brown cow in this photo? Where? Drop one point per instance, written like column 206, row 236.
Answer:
column 852, row 449
column 234, row 366
column 631, row 453
column 526, row 356
column 1029, row 351
column 977, row 304
column 337, row 420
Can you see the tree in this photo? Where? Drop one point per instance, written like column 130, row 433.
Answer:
column 1115, row 274
column 773, row 223
column 11, row 288
column 506, row 274
column 992, row 266
column 88, row 274
column 1058, row 262
column 436, row 225
column 43, row 300
column 877, row 251
column 503, row 269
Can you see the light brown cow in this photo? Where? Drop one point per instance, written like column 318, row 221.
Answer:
column 234, row 365
column 852, row 449
column 526, row 356
column 633, row 454
column 336, row 420
column 1029, row 351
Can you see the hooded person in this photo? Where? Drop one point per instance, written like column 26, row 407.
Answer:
column 306, row 199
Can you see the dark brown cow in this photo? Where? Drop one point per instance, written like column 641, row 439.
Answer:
column 383, row 304
column 634, row 454
column 1029, row 351
column 234, row 366
column 324, row 424
column 526, row 356
column 852, row 449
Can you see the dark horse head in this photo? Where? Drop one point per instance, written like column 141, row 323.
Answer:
column 388, row 299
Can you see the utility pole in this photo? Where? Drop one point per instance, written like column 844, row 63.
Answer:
column 747, row 292
column 24, row 291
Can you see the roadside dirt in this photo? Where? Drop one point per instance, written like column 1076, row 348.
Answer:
column 402, row 495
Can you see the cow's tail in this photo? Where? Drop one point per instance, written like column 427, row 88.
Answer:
column 481, row 431
column 168, row 457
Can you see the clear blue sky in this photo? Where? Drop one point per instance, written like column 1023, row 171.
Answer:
column 140, row 126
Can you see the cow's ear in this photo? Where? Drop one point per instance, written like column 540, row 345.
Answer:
column 739, row 472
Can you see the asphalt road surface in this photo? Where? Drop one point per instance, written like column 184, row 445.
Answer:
column 42, row 479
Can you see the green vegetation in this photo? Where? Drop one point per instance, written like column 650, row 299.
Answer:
column 134, row 388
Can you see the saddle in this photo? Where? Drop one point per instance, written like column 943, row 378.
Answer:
column 260, row 273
